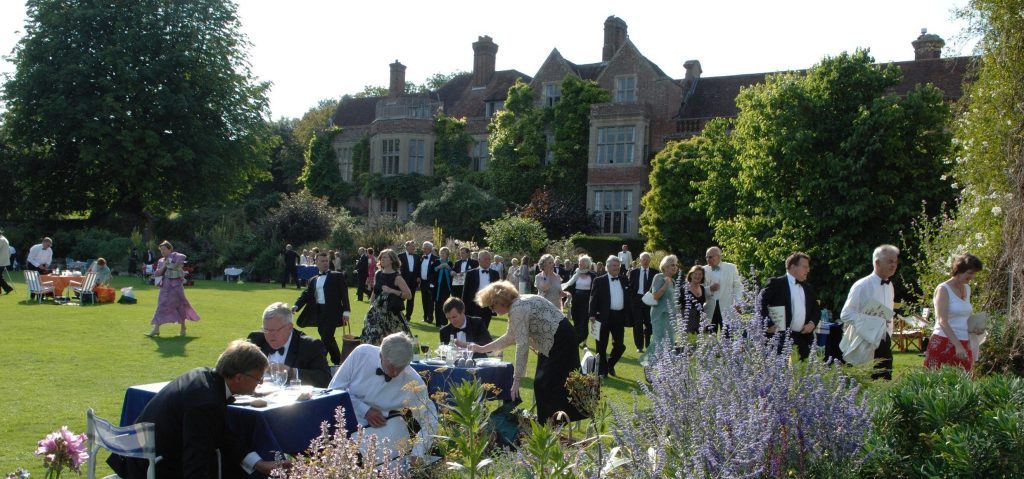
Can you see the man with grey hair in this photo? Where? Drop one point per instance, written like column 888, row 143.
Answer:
column 640, row 280
column 609, row 305
column 476, row 279
column 190, row 414
column 381, row 384
column 865, row 296
column 724, row 285
column 283, row 344
column 427, row 276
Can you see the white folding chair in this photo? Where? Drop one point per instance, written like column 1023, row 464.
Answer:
column 137, row 440
column 84, row 287
column 36, row 288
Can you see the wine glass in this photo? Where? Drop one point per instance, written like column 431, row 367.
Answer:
column 280, row 376
column 424, row 348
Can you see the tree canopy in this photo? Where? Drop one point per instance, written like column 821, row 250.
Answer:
column 140, row 106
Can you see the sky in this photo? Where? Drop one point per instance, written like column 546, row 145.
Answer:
column 318, row 49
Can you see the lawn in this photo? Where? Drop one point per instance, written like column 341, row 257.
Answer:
column 58, row 361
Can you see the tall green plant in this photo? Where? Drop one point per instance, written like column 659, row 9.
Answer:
column 468, row 413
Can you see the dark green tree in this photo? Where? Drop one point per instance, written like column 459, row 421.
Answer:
column 315, row 120
column 571, row 127
column 517, row 146
column 828, row 163
column 141, row 107
column 451, row 148
column 458, row 208
column 561, row 213
column 322, row 175
column 515, row 235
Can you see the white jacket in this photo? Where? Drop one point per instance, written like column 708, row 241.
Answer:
column 861, row 336
column 729, row 292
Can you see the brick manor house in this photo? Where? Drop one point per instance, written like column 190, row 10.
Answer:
column 648, row 109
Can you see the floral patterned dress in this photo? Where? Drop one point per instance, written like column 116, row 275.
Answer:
column 172, row 306
column 380, row 321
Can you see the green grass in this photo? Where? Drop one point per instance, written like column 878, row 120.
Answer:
column 57, row 361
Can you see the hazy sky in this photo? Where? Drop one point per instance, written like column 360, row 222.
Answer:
column 315, row 49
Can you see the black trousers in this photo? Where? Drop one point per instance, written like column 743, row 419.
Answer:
column 3, row 281
column 580, row 314
column 716, row 319
column 801, row 342
column 615, row 326
column 552, row 370
column 883, row 368
column 361, row 286
column 411, row 282
column 641, row 323
column 427, row 301
column 327, row 336
column 290, row 272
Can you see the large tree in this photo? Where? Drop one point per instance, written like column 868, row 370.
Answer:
column 830, row 163
column 517, row 146
column 140, row 107
column 571, row 127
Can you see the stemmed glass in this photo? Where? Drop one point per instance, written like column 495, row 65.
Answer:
column 280, row 375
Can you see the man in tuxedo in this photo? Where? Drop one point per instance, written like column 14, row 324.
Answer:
column 284, row 345
column 609, row 305
column 463, row 265
column 426, row 277
column 640, row 279
column 327, row 298
column 797, row 300
column 190, row 417
column 410, row 273
column 724, row 286
column 362, row 270
column 472, row 327
column 626, row 257
column 291, row 266
column 476, row 279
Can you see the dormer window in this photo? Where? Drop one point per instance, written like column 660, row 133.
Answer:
column 625, row 89
column 494, row 106
column 552, row 93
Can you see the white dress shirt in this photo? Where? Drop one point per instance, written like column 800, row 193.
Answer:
column 485, row 278
column 37, row 256
column 866, row 289
column 278, row 358
column 626, row 257
column 424, row 267
column 367, row 389
column 797, row 304
column 615, row 294
column 409, row 261
column 320, row 280
column 642, row 281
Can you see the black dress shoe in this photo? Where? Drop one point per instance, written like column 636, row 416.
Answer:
column 611, row 372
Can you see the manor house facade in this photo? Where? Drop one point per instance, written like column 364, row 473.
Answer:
column 647, row 110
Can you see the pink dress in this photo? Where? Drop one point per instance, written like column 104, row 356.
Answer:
column 172, row 306
column 371, row 267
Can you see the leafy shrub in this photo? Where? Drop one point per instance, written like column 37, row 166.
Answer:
column 92, row 243
column 515, row 235
column 300, row 218
column 941, row 423
column 1003, row 349
column 458, row 208
column 381, row 233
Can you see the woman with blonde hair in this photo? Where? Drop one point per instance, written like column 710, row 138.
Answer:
column 534, row 323
column 387, row 300
column 579, row 286
column 547, row 282
column 663, row 289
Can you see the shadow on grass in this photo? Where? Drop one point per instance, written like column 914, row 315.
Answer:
column 171, row 346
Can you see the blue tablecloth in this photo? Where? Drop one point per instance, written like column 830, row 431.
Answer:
column 287, row 428
column 441, row 378
column 307, row 272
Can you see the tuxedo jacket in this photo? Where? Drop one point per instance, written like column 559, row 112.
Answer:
column 335, row 299
column 458, row 265
column 600, row 297
column 634, row 278
column 362, row 267
column 305, row 353
column 474, row 329
column 431, row 275
column 291, row 259
column 471, row 287
column 410, row 272
column 190, row 417
column 776, row 293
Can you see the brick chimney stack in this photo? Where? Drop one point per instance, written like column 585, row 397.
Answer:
column 614, row 37
column 928, row 46
column 397, row 87
column 484, row 53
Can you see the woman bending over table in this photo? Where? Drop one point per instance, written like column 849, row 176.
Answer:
column 949, row 343
column 171, row 306
column 534, row 323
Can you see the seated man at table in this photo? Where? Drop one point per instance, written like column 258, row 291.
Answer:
column 381, row 384
column 283, row 344
column 469, row 329
column 190, row 417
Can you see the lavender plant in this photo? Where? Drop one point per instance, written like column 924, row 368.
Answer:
column 726, row 405
column 336, row 455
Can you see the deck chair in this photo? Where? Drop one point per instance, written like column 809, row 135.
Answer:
column 36, row 288
column 84, row 288
column 137, row 440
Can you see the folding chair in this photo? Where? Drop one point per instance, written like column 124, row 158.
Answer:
column 85, row 287
column 137, row 440
column 36, row 288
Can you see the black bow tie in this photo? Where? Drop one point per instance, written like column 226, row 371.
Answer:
column 716, row 268
column 886, row 281
column 278, row 351
column 615, row 278
column 380, row 372
column 231, row 400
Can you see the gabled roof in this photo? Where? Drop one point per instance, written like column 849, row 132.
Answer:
column 355, row 111
column 631, row 47
column 461, row 100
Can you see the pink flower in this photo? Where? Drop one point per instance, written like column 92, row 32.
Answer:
column 61, row 449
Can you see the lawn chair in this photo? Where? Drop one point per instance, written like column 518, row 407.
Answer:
column 137, row 440
column 84, row 288
column 36, row 288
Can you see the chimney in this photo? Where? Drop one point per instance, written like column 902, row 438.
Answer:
column 397, row 87
column 928, row 46
column 614, row 37
column 484, row 53
column 693, row 69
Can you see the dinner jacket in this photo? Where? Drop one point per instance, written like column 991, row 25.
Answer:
column 475, row 331
column 190, row 419
column 776, row 293
column 600, row 298
column 305, row 353
column 410, row 272
column 470, row 289
column 458, row 265
column 335, row 302
column 362, row 268
column 730, row 289
column 431, row 260
column 634, row 278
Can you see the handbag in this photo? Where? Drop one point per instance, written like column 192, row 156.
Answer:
column 649, row 300
column 348, row 341
column 394, row 303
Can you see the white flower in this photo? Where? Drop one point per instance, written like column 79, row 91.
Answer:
column 978, row 236
column 997, row 211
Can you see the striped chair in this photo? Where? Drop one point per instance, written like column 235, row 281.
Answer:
column 84, row 288
column 137, row 440
column 35, row 288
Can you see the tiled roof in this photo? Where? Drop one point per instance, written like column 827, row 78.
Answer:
column 589, row 71
column 355, row 111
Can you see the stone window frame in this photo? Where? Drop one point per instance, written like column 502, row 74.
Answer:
column 606, row 150
column 552, row 93
column 621, row 90
column 345, row 163
column 479, row 155
column 390, row 156
column 418, row 156
column 387, row 206
column 616, row 218
column 493, row 106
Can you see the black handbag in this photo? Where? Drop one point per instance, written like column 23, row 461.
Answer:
column 394, row 303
